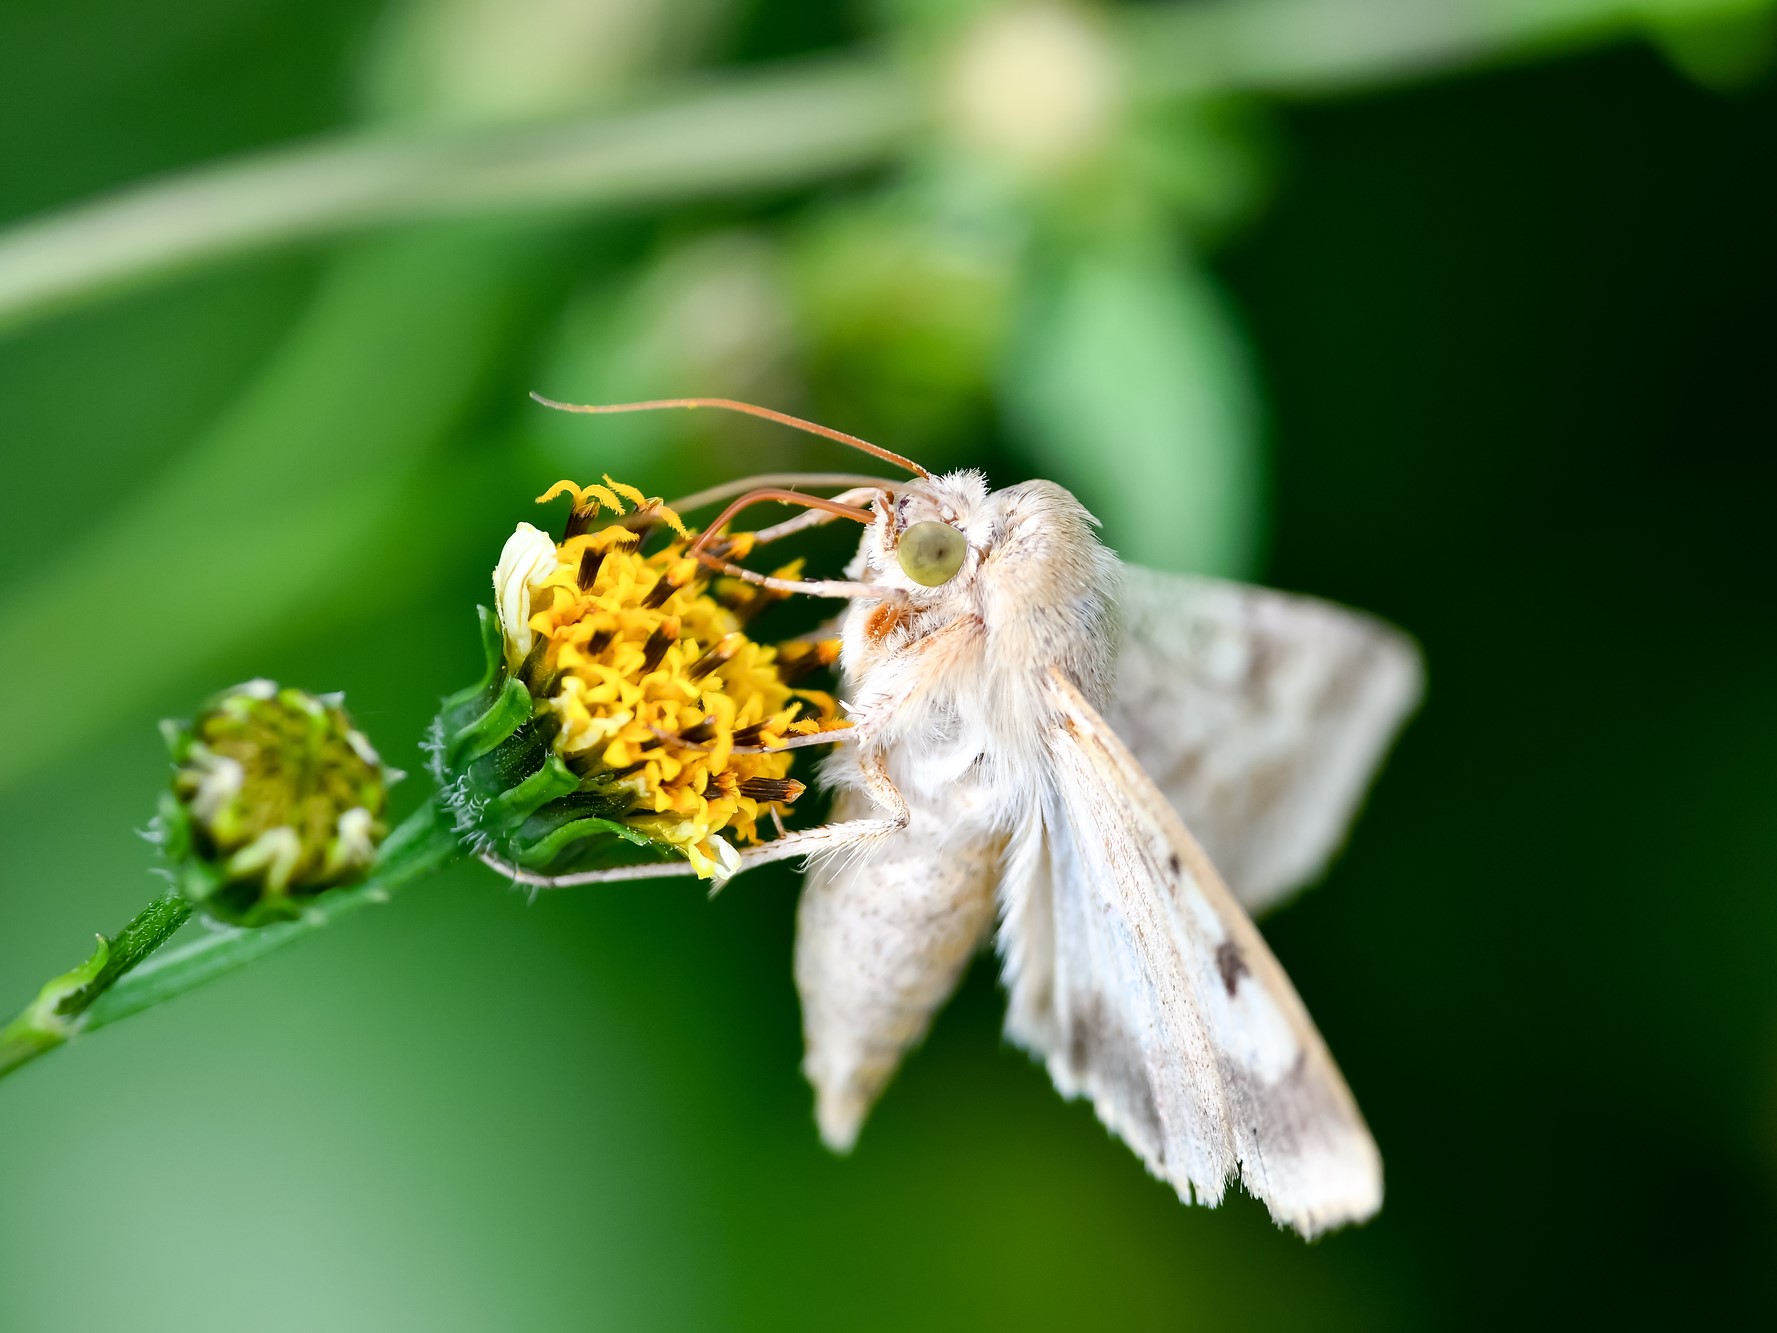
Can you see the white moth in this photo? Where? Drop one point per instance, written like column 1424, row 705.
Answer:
column 1057, row 752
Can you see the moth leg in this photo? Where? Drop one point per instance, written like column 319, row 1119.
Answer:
column 793, row 743
column 812, row 587
column 804, row 842
column 892, row 817
column 611, row 875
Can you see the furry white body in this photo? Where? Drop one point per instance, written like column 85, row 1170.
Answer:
column 947, row 694
column 986, row 786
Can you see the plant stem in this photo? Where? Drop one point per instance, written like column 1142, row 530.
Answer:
column 150, row 928
column 801, row 124
column 117, row 981
column 1320, row 47
column 55, row 1015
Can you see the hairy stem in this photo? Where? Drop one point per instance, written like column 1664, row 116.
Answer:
column 56, row 1014
column 121, row 979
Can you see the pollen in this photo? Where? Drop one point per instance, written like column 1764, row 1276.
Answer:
column 653, row 687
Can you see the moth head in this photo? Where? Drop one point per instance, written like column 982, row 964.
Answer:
column 928, row 538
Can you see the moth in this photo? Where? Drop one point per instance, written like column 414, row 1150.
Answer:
column 1102, row 770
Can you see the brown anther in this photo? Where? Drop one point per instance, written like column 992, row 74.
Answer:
column 749, row 735
column 580, row 521
column 600, row 640
column 590, row 560
column 663, row 637
column 725, row 648
column 799, row 659
column 658, row 594
column 772, row 789
column 702, row 733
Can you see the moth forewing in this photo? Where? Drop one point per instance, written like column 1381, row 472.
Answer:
column 1170, row 1011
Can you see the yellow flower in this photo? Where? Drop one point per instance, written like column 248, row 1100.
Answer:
column 655, row 693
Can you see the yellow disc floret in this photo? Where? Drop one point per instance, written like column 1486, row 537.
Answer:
column 652, row 682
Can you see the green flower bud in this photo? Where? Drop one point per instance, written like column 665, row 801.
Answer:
column 275, row 797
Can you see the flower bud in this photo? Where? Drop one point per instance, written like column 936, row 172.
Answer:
column 275, row 796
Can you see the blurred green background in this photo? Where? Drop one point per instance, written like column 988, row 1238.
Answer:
column 1459, row 312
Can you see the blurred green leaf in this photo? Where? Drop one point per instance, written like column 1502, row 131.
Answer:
column 807, row 123
column 287, row 491
column 757, row 133
column 905, row 303
column 705, row 314
column 1133, row 387
column 1727, row 48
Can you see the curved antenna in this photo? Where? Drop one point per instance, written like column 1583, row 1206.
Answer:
column 729, row 489
column 764, row 493
column 746, row 409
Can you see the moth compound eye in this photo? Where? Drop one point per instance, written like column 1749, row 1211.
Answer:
column 931, row 553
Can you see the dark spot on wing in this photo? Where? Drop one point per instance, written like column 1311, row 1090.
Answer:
column 1231, row 965
column 1174, row 864
column 1298, row 1113
column 1084, row 1033
column 1107, row 1058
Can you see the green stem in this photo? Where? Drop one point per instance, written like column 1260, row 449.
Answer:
column 120, row 979
column 803, row 124
column 423, row 843
column 150, row 928
column 1318, row 47
column 55, row 1015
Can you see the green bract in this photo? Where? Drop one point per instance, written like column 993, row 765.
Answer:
column 508, row 789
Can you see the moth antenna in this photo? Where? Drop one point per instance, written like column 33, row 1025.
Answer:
column 727, row 490
column 746, row 409
column 853, row 512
